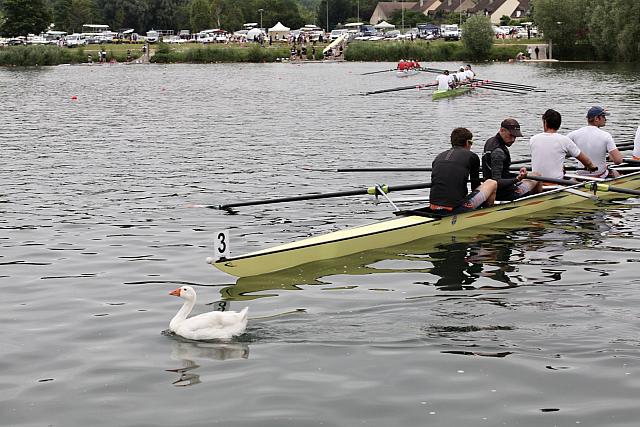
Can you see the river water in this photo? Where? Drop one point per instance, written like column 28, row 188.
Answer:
column 534, row 322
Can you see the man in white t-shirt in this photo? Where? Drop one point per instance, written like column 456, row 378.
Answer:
column 596, row 143
column 469, row 73
column 443, row 81
column 461, row 76
column 636, row 145
column 549, row 149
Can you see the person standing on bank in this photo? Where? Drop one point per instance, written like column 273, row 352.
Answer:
column 596, row 143
column 450, row 172
column 549, row 148
column 496, row 164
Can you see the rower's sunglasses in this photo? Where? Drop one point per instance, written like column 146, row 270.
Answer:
column 470, row 141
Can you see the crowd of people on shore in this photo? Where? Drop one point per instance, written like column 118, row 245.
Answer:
column 453, row 168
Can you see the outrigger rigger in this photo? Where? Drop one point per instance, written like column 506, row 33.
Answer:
column 420, row 223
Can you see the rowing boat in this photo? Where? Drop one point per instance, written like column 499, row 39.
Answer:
column 441, row 94
column 407, row 72
column 405, row 229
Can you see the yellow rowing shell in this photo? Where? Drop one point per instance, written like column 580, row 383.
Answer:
column 404, row 229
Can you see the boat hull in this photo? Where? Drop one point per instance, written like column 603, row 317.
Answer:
column 402, row 230
column 406, row 73
column 450, row 93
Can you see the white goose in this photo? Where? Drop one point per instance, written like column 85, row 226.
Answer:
column 205, row 326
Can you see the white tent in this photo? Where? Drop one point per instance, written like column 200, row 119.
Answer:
column 384, row 25
column 253, row 33
column 279, row 31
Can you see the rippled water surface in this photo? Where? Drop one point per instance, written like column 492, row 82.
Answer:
column 534, row 322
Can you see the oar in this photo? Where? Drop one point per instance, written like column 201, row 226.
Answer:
column 395, row 89
column 488, row 83
column 513, row 85
column 594, row 186
column 376, row 72
column 358, row 192
column 500, row 89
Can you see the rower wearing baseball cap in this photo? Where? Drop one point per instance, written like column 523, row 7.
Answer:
column 596, row 143
column 496, row 164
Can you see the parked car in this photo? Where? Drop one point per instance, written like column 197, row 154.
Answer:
column 336, row 33
column 368, row 31
column 75, row 40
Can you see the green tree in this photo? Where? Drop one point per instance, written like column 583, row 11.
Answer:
column 628, row 37
column 83, row 12
column 477, row 36
column 62, row 14
column 564, row 22
column 339, row 11
column 25, row 16
column 411, row 18
column 200, row 17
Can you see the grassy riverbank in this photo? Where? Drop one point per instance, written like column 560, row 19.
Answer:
column 196, row 53
column 29, row 56
column 190, row 53
column 420, row 50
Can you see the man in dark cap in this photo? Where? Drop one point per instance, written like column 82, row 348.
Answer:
column 496, row 164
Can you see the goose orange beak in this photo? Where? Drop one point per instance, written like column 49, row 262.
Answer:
column 175, row 292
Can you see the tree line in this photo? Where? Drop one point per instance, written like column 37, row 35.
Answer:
column 605, row 30
column 20, row 17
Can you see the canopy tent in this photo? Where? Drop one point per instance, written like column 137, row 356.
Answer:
column 279, row 32
column 384, row 25
column 253, row 33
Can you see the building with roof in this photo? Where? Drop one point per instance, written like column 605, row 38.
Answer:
column 494, row 9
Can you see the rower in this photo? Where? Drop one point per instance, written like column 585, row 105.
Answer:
column 596, row 143
column 451, row 170
column 402, row 65
column 636, row 145
column 549, row 149
column 496, row 164
column 443, row 80
column 469, row 72
column 461, row 76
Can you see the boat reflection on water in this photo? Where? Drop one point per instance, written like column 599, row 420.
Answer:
column 187, row 352
column 478, row 258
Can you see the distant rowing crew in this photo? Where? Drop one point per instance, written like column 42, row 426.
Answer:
column 451, row 169
column 447, row 81
column 409, row 64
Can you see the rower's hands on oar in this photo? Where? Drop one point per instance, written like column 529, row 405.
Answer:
column 522, row 174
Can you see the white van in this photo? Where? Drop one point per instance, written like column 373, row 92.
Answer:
column 75, row 39
column 451, row 32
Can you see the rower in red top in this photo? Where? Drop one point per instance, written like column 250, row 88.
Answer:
column 451, row 170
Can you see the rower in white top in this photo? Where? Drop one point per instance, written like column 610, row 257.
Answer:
column 596, row 143
column 549, row 149
column 444, row 81
column 461, row 76
column 469, row 72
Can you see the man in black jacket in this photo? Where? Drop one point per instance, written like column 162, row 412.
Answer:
column 451, row 170
column 496, row 162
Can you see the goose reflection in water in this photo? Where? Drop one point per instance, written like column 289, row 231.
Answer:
column 187, row 352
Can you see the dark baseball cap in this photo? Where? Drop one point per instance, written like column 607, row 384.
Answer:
column 596, row 111
column 512, row 126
